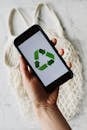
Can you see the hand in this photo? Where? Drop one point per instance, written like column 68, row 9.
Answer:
column 34, row 87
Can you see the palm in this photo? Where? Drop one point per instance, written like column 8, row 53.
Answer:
column 39, row 94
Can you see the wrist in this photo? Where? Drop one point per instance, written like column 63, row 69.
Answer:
column 40, row 109
column 50, row 116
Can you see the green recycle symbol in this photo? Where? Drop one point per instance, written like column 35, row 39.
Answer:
column 43, row 52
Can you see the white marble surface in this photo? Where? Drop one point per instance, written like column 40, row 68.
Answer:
column 73, row 14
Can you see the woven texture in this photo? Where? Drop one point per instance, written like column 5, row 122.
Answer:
column 70, row 93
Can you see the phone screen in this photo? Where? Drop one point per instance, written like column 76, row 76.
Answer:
column 43, row 58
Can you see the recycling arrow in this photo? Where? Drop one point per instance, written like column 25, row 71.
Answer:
column 47, row 54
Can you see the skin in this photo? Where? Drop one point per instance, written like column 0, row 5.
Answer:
column 44, row 104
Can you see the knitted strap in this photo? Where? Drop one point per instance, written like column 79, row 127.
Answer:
column 10, row 20
column 36, row 18
column 11, row 54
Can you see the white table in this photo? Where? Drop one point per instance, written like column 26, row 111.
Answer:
column 73, row 14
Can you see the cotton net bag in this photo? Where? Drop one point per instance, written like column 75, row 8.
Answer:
column 71, row 92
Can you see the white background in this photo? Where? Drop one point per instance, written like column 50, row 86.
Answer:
column 73, row 14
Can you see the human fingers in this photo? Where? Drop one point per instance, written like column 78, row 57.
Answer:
column 54, row 41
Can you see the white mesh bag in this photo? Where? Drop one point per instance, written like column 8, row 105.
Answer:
column 71, row 92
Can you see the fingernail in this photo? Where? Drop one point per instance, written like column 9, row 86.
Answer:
column 61, row 51
column 69, row 64
column 54, row 40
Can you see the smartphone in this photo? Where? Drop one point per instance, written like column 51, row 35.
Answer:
column 43, row 58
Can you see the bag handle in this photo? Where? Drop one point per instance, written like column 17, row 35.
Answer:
column 9, row 50
column 10, row 20
column 36, row 18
